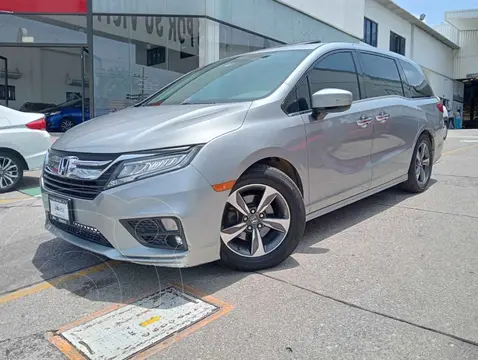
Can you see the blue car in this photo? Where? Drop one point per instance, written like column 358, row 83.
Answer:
column 65, row 116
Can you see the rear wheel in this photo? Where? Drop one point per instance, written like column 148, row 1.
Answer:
column 263, row 220
column 420, row 171
column 67, row 123
column 11, row 171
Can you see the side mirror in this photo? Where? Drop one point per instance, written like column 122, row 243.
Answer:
column 331, row 100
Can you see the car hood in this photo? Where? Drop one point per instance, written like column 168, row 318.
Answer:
column 153, row 127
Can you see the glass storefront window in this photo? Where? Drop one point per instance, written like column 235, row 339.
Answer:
column 234, row 42
column 42, row 29
column 134, row 56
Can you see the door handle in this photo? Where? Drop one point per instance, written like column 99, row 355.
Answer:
column 364, row 121
column 382, row 117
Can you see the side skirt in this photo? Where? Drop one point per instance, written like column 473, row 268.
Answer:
column 355, row 198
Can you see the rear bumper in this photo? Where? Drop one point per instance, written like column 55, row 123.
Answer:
column 41, row 142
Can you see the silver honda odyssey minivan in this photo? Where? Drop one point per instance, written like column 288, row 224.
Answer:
column 229, row 161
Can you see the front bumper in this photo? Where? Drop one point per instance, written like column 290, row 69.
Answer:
column 184, row 194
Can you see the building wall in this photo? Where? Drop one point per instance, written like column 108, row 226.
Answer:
column 271, row 18
column 345, row 15
column 388, row 21
column 432, row 54
column 448, row 31
column 466, row 61
column 436, row 60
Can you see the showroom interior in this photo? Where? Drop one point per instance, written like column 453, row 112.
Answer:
column 105, row 55
column 46, row 59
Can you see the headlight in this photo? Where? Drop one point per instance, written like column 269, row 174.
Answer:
column 54, row 113
column 137, row 169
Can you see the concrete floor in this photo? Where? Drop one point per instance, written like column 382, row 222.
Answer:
column 391, row 277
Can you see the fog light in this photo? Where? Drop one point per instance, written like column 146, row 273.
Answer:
column 174, row 241
column 157, row 232
column 169, row 224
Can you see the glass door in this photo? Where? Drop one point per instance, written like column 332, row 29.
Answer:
column 4, row 88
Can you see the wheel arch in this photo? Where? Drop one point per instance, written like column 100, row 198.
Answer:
column 430, row 137
column 17, row 154
column 279, row 159
column 285, row 166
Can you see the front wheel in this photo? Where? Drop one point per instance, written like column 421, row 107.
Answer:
column 420, row 171
column 263, row 220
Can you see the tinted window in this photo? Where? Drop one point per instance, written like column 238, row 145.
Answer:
column 335, row 71
column 370, row 32
column 397, row 43
column 383, row 78
column 241, row 78
column 298, row 99
column 416, row 80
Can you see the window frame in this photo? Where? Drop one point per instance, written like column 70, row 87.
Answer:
column 368, row 25
column 397, row 65
column 305, row 76
column 397, row 36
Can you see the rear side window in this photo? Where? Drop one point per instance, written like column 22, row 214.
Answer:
column 383, row 78
column 335, row 71
column 418, row 84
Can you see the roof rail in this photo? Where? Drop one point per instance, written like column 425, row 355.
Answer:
column 303, row 43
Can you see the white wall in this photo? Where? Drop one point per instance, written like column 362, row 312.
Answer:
column 345, row 15
column 449, row 31
column 43, row 74
column 436, row 60
column 432, row 54
column 466, row 61
column 388, row 21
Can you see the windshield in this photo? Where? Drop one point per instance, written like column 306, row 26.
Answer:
column 242, row 78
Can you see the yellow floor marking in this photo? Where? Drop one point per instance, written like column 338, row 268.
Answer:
column 459, row 149
column 6, row 201
column 54, row 282
column 150, row 321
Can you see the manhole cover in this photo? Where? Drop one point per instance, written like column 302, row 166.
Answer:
column 132, row 328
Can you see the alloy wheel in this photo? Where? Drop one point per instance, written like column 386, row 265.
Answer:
column 256, row 220
column 67, row 125
column 9, row 172
column 422, row 164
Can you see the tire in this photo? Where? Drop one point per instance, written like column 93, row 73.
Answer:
column 7, row 160
column 67, row 123
column 413, row 184
column 281, row 243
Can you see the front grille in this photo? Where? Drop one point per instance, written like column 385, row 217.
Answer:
column 79, row 188
column 84, row 232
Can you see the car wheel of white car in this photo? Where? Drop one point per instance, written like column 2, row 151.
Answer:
column 263, row 220
column 11, row 171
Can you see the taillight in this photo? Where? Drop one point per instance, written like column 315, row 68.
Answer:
column 440, row 107
column 39, row 124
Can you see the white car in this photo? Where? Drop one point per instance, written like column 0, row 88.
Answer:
column 24, row 143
